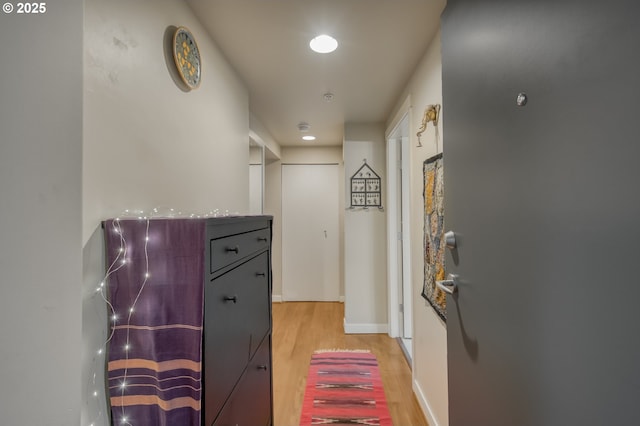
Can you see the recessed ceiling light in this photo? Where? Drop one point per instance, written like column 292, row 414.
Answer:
column 323, row 44
column 309, row 138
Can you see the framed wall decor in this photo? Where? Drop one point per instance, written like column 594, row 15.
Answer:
column 366, row 188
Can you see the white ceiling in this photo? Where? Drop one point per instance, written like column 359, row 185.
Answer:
column 267, row 43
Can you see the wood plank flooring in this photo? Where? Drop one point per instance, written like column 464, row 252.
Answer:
column 299, row 328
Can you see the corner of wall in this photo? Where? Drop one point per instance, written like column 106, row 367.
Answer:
column 365, row 328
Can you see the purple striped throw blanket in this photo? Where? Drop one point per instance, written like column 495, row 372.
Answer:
column 155, row 280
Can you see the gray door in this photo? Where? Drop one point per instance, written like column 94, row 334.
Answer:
column 545, row 200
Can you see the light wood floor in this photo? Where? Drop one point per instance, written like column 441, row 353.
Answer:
column 299, row 328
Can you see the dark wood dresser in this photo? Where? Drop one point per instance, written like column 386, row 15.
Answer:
column 237, row 322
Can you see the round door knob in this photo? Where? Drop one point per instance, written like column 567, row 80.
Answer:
column 450, row 240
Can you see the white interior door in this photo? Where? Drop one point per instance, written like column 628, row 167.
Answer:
column 310, row 240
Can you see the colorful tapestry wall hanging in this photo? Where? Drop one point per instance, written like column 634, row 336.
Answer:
column 434, row 244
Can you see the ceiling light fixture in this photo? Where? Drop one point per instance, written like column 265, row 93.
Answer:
column 323, row 44
column 309, row 138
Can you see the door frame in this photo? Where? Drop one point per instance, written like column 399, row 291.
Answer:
column 399, row 261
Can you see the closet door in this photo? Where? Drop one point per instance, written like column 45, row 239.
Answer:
column 310, row 232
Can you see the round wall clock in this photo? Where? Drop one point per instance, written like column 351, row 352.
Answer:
column 187, row 57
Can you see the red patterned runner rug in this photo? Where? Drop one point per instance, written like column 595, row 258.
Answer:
column 344, row 388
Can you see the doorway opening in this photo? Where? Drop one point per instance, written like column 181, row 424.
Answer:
column 399, row 259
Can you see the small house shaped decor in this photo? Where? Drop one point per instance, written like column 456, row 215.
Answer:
column 366, row 188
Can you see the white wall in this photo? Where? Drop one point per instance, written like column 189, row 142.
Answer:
column 365, row 240
column 429, row 332
column 256, row 178
column 149, row 143
column 311, row 155
column 260, row 133
column 94, row 334
column 255, row 188
column 40, row 215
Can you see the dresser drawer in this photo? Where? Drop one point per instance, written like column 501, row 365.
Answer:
column 250, row 402
column 258, row 301
column 227, row 250
column 237, row 318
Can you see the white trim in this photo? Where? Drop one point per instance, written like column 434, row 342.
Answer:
column 399, row 211
column 392, row 237
column 253, row 136
column 405, row 199
column 277, row 298
column 424, row 404
column 365, row 328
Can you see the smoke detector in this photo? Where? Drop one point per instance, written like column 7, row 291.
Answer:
column 303, row 126
column 328, row 97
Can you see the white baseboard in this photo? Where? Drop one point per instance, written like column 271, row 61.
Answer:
column 277, row 298
column 424, row 404
column 365, row 328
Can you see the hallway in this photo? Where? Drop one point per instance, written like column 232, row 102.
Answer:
column 299, row 328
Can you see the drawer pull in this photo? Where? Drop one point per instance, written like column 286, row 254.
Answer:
column 233, row 299
column 262, row 239
column 262, row 367
column 261, row 274
column 233, row 249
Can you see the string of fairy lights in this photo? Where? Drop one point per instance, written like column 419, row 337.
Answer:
column 98, row 391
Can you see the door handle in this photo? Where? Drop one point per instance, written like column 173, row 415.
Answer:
column 450, row 240
column 450, row 285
